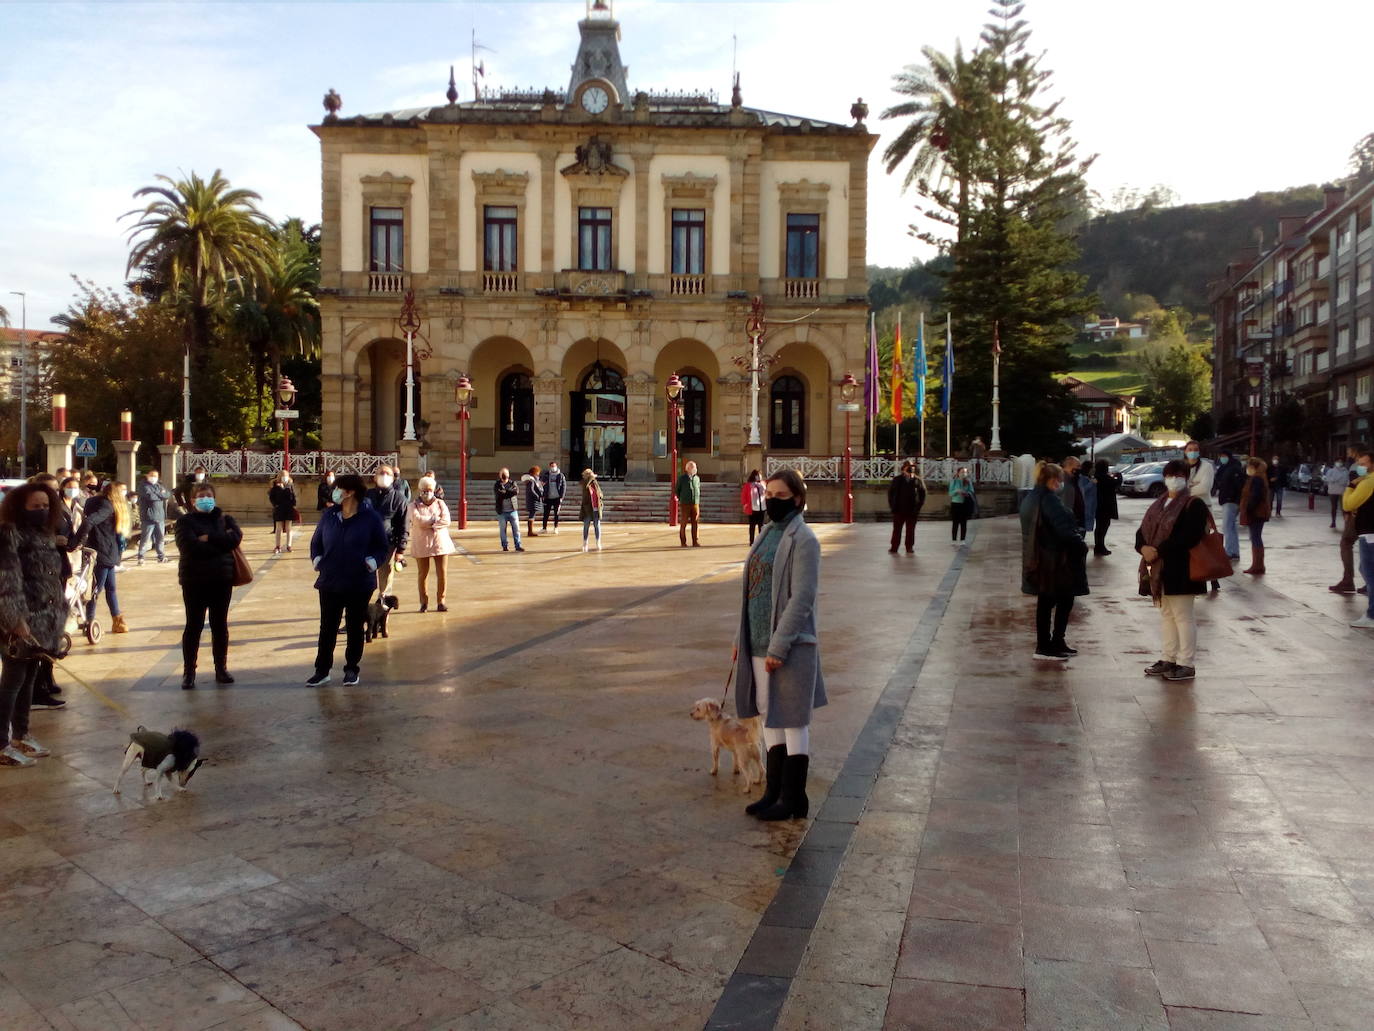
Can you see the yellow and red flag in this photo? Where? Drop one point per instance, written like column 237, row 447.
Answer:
column 898, row 373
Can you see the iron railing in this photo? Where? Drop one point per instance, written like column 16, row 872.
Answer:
column 992, row 471
column 269, row 463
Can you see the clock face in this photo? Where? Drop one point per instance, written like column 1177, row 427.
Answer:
column 594, row 100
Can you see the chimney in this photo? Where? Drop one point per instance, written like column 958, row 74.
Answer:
column 1290, row 226
column 1332, row 196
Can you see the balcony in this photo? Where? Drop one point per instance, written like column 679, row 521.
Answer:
column 801, row 289
column 500, row 282
column 684, row 285
column 387, row 282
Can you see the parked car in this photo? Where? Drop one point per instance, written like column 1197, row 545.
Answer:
column 7, row 485
column 1308, row 478
column 1144, row 481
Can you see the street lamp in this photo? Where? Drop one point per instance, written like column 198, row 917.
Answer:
column 23, row 383
column 462, row 394
column 286, row 393
column 1254, row 373
column 410, row 325
column 674, row 391
column 849, row 388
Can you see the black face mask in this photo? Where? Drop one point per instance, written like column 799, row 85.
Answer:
column 36, row 518
column 779, row 508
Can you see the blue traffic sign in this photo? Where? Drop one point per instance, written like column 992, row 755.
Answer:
column 85, row 447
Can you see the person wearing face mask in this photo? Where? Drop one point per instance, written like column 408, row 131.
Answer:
column 555, row 486
column 183, row 494
column 324, row 491
column 282, row 497
column 1227, row 485
column 1358, row 502
column 504, row 492
column 534, row 498
column 106, row 525
column 349, row 545
column 962, row 501
column 1349, row 536
column 390, row 499
column 33, row 612
column 1200, row 471
column 590, row 507
column 776, row 656
column 1336, row 477
column 688, row 492
column 751, row 498
column 1254, row 512
column 906, row 494
column 72, row 508
column 1053, row 562
column 206, row 538
column 1105, row 510
column 1173, row 525
column 90, row 485
column 1278, row 484
column 152, row 515
column 430, row 541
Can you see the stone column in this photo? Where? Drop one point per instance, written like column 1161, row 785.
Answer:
column 548, row 418
column 126, row 461
column 640, row 427
column 58, row 444
column 167, row 463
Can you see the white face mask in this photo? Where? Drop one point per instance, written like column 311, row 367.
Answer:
column 1174, row 484
column 200, row 477
column 384, row 482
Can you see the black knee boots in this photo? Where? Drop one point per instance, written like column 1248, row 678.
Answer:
column 792, row 803
column 772, row 780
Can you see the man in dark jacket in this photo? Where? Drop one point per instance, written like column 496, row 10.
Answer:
column 152, row 515
column 504, row 491
column 905, row 496
column 349, row 545
column 1278, row 483
column 1229, row 482
column 389, row 501
column 1053, row 567
column 555, row 486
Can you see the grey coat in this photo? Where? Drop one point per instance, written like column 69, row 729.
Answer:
column 31, row 585
column 797, row 686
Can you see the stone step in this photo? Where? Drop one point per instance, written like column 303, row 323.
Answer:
column 625, row 502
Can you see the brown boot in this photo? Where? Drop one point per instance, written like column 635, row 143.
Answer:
column 118, row 626
column 1256, row 562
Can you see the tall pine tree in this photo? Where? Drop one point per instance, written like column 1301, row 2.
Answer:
column 1013, row 261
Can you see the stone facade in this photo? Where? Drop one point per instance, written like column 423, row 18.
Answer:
column 530, row 313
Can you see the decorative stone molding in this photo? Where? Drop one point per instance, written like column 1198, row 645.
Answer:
column 640, row 384
column 595, row 181
column 501, row 189
column 803, row 197
column 548, row 383
column 689, row 190
column 388, row 191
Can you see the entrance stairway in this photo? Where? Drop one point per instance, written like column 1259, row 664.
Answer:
column 625, row 502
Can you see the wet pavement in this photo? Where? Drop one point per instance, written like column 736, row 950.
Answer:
column 509, row 824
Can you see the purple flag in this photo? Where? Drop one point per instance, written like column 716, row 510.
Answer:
column 872, row 388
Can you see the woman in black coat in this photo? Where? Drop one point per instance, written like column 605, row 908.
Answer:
column 1173, row 525
column 1106, row 506
column 324, row 493
column 1052, row 562
column 206, row 538
column 105, row 526
column 282, row 497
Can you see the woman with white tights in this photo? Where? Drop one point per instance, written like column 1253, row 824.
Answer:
column 777, row 663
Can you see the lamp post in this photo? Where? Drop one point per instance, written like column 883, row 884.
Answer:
column 286, row 393
column 410, row 325
column 1254, row 373
column 674, row 391
column 186, row 395
column 23, row 383
column 849, row 387
column 462, row 394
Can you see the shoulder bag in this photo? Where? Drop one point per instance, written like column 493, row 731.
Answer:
column 243, row 572
column 1207, row 558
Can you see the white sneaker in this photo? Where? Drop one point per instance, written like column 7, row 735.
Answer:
column 1364, row 623
column 584, row 545
column 11, row 756
column 555, row 531
column 598, row 545
column 32, row 748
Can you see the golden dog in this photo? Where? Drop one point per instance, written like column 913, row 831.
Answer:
column 744, row 739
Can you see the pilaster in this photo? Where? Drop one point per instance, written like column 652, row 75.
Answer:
column 639, row 427
column 126, row 461
column 58, row 446
column 549, row 418
column 167, row 462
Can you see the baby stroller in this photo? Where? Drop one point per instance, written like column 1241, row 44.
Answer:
column 79, row 593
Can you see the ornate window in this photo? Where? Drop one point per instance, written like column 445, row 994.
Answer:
column 388, row 236
column 787, row 404
column 695, row 429
column 803, row 246
column 602, row 379
column 689, row 241
column 515, row 420
column 594, row 239
column 499, row 238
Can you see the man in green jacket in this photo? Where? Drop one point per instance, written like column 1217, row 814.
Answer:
column 688, row 492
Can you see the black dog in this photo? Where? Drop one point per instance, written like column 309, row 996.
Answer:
column 378, row 612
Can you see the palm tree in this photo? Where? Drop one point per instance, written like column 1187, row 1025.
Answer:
column 942, row 94
column 195, row 240
column 4, row 317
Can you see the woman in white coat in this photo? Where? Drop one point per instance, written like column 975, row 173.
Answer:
column 429, row 539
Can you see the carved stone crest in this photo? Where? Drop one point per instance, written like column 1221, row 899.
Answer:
column 594, row 159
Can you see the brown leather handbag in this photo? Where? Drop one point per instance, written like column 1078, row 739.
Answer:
column 243, row 572
column 1207, row 558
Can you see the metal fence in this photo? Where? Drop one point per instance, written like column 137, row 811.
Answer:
column 993, row 471
column 269, row 463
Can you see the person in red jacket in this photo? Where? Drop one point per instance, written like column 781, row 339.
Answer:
column 751, row 499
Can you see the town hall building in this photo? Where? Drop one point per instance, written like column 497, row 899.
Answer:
column 570, row 249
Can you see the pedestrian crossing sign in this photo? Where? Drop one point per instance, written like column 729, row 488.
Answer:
column 85, row 447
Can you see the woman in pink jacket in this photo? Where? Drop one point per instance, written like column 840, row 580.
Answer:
column 429, row 539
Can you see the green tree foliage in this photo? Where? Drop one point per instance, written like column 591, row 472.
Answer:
column 1178, row 382
column 1362, row 161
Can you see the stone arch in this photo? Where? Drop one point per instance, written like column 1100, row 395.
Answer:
column 690, row 357
column 379, row 370
column 491, row 362
column 812, row 366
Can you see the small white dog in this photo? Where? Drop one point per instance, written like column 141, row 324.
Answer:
column 744, row 739
column 164, row 755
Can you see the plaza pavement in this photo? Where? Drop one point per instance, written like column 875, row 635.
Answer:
column 509, row 824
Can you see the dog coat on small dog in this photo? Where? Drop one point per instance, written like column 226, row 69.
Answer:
column 166, row 754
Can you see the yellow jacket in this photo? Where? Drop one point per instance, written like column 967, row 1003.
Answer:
column 1357, row 495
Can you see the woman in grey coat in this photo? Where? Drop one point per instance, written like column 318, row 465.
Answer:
column 777, row 663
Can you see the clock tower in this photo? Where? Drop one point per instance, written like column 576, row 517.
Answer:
column 598, row 76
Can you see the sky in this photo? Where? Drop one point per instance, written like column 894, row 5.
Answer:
column 1214, row 100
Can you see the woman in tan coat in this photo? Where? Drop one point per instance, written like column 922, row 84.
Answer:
column 430, row 540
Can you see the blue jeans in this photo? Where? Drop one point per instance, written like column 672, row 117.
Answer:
column 594, row 520
column 104, row 581
column 1230, row 528
column 1278, row 500
column 152, row 531
column 513, row 519
column 1367, row 571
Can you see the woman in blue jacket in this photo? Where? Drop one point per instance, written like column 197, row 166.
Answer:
column 349, row 544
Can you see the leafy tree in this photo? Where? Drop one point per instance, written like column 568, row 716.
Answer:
column 1362, row 160
column 1178, row 382
column 1202, row 427
column 4, row 316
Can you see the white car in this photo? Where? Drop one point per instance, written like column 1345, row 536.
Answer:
column 1144, row 481
column 7, row 485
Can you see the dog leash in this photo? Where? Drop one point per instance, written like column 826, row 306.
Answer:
column 729, row 677
column 40, row 652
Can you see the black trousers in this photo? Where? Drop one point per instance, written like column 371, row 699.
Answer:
column 756, row 523
column 200, row 599
column 959, row 512
column 1100, row 534
column 1060, row 605
column 353, row 609
column 16, row 694
column 903, row 521
column 550, row 505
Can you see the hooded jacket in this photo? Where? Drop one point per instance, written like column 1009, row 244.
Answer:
column 98, row 532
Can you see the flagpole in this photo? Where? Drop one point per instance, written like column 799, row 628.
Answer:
column 873, row 376
column 921, row 388
column 949, row 391
column 897, row 413
column 996, row 391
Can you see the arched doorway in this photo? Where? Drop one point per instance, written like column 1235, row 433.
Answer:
column 597, row 431
column 787, row 413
